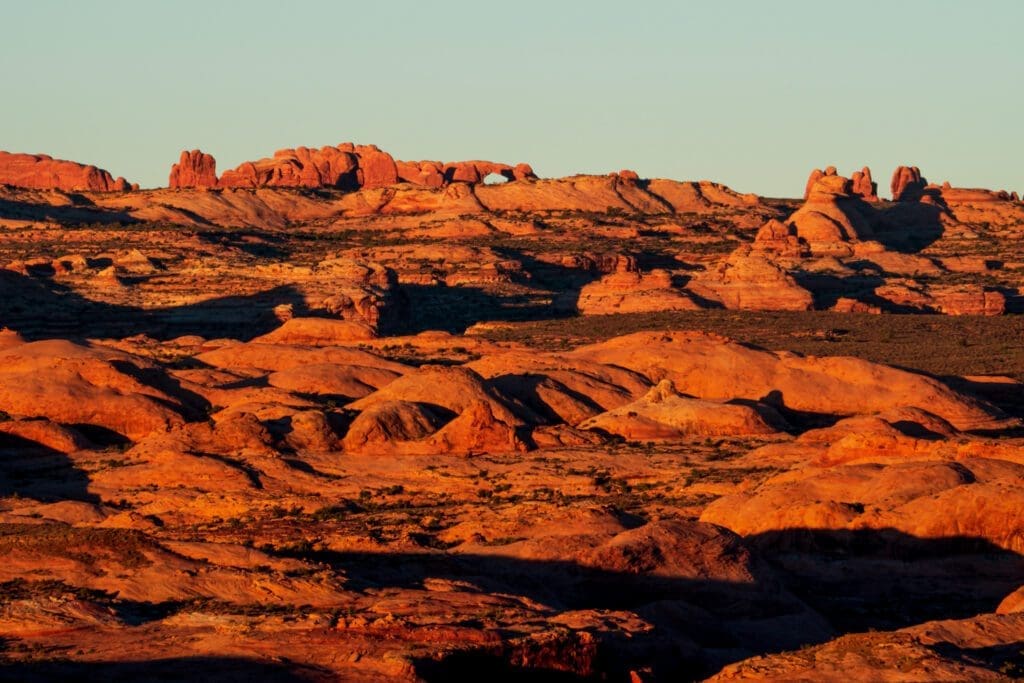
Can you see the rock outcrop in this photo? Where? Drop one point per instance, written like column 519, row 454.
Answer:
column 710, row 367
column 950, row 299
column 664, row 414
column 73, row 384
column 194, row 169
column 346, row 166
column 627, row 290
column 780, row 240
column 42, row 172
column 304, row 167
column 907, row 184
column 749, row 279
column 861, row 183
column 832, row 216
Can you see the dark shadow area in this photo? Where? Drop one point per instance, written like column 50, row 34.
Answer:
column 32, row 470
column 857, row 581
column 80, row 211
column 258, row 243
column 554, row 277
column 827, row 289
column 527, row 389
column 1006, row 396
column 43, row 309
column 453, row 309
column 185, row 669
column 908, row 226
column 885, row 579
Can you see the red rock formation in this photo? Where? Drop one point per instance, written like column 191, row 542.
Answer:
column 42, row 172
column 832, row 216
column 627, row 290
column 376, row 168
column 477, row 171
column 780, row 239
column 299, row 167
column 346, row 166
column 816, row 175
column 906, row 184
column 863, row 185
column 194, row 169
column 426, row 173
column 752, row 280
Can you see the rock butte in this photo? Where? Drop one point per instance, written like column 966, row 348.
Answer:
column 333, row 416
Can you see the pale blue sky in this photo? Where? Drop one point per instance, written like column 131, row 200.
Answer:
column 753, row 94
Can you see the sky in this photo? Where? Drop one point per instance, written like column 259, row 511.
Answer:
column 752, row 94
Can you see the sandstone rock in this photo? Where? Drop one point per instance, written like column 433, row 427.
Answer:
column 73, row 384
column 627, row 290
column 665, row 414
column 194, row 169
column 366, row 293
column 44, row 433
column 389, row 422
column 780, row 239
column 278, row 357
column 376, row 168
column 816, row 175
column 425, row 173
column 300, row 167
column 39, row 171
column 924, row 500
column 750, row 280
column 832, row 216
column 949, row 299
column 710, row 367
column 848, row 305
column 455, row 389
column 332, row 380
column 317, row 332
column 863, row 186
column 907, row 184
column 476, row 430
column 310, row 430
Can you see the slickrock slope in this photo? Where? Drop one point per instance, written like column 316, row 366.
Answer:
column 663, row 413
column 713, row 368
